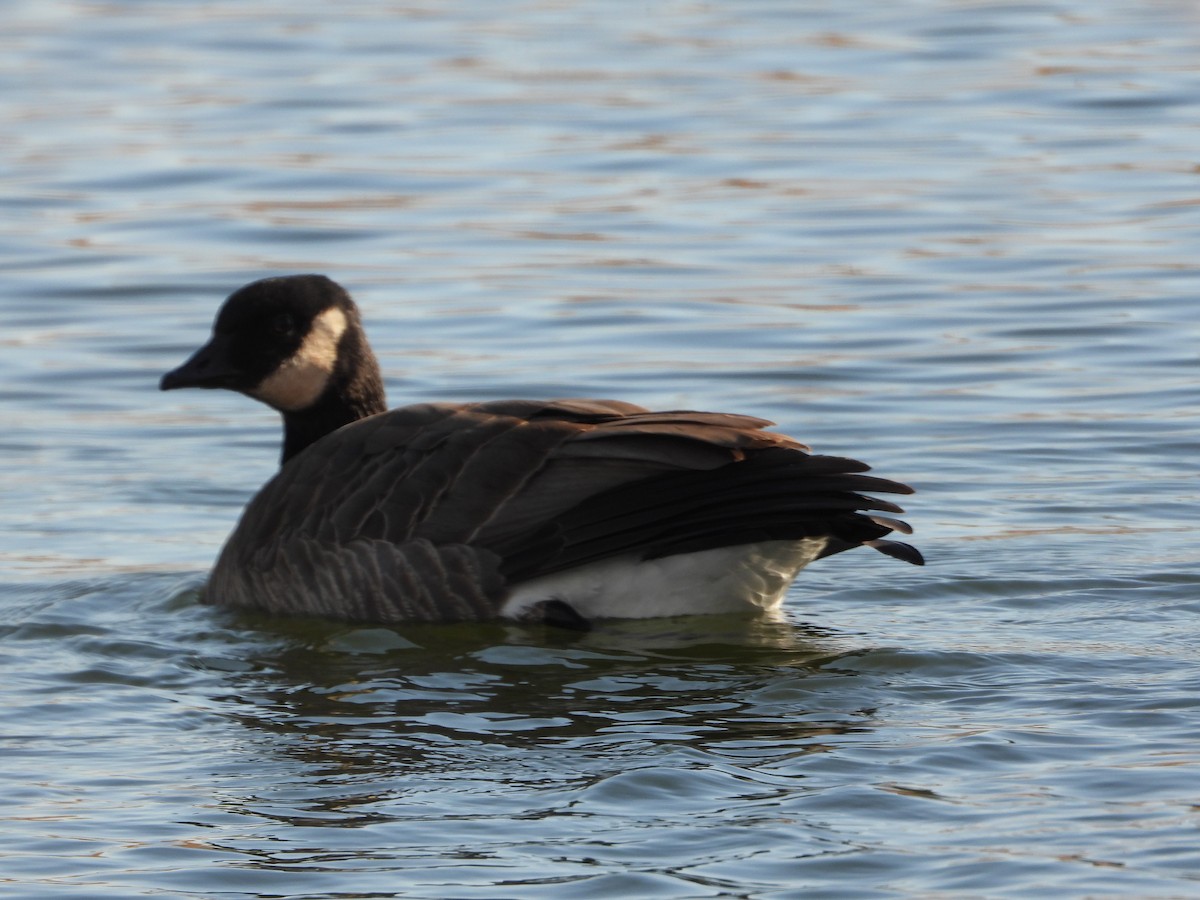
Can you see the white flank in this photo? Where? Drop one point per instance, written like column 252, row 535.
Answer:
column 741, row 579
column 302, row 378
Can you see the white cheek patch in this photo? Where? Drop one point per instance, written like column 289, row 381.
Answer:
column 302, row 378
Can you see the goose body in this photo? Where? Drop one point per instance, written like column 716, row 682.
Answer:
column 564, row 510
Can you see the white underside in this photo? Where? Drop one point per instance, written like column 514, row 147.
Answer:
column 740, row 579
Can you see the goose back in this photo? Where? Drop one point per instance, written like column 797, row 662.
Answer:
column 437, row 511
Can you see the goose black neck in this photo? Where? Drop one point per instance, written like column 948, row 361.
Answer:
column 350, row 396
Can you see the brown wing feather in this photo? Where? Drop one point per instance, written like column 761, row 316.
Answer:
column 460, row 498
column 774, row 494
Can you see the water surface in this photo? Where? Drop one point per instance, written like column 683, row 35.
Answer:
column 957, row 239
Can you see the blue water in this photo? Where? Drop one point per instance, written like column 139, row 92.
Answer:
column 956, row 239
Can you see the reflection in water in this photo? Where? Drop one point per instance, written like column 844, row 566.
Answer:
column 959, row 234
column 466, row 708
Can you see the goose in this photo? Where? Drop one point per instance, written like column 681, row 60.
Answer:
column 551, row 511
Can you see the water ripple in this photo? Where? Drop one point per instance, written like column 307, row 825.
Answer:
column 956, row 240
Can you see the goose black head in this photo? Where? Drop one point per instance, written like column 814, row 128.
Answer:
column 296, row 343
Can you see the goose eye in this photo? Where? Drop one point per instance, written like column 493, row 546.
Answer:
column 282, row 324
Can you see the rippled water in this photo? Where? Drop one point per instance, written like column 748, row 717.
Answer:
column 957, row 239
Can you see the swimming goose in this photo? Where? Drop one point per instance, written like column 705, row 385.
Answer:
column 561, row 511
